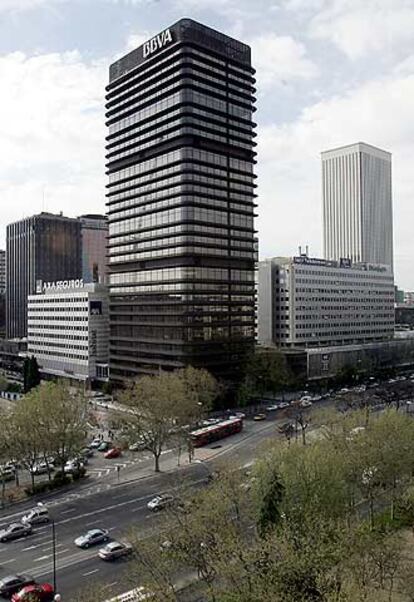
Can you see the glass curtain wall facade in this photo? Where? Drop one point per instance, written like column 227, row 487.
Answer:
column 182, row 248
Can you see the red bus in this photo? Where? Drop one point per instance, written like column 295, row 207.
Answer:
column 217, row 431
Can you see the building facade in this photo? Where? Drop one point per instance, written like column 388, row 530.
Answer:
column 180, row 158
column 68, row 327
column 42, row 247
column 2, row 272
column 94, row 239
column 357, row 204
column 311, row 302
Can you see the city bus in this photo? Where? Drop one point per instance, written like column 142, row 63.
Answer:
column 208, row 434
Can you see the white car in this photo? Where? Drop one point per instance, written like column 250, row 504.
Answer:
column 316, row 398
column 305, row 403
column 159, row 502
column 306, row 398
column 284, row 404
column 41, row 468
column 72, row 466
column 272, row 408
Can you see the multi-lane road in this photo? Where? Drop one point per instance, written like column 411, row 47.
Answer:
column 113, row 506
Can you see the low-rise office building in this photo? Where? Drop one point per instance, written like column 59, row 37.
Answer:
column 311, row 302
column 68, row 327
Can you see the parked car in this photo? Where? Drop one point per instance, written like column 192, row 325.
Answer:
column 272, row 408
column 104, row 446
column 316, row 398
column 91, row 538
column 41, row 468
column 95, row 443
column 137, row 446
column 7, row 473
column 39, row 514
column 114, row 452
column 14, row 531
column 73, row 466
column 87, row 452
column 160, row 501
column 259, row 416
column 13, row 583
column 305, row 403
column 42, row 592
column 114, row 550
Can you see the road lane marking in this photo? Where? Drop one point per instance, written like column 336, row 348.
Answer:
column 31, row 548
column 42, row 558
column 108, row 585
column 68, row 510
column 9, row 561
column 90, row 572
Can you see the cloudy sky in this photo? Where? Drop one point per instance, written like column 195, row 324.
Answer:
column 330, row 72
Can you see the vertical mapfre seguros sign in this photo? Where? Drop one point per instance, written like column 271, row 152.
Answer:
column 157, row 42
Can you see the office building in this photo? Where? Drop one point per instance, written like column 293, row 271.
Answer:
column 44, row 247
column 68, row 325
column 312, row 302
column 357, row 204
column 94, row 235
column 180, row 158
column 2, row 272
column 2, row 293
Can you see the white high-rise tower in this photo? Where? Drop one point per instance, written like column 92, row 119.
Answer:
column 357, row 204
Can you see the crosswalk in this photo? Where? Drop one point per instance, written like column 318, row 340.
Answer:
column 102, row 471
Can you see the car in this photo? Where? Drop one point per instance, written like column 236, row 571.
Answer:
column 14, row 531
column 259, row 417
column 86, row 452
column 305, row 403
column 343, row 391
column 316, row 398
column 7, row 473
column 13, row 583
column 160, row 501
column 272, row 408
column 114, row 550
column 38, row 592
column 306, row 398
column 104, row 446
column 95, row 443
column 114, row 452
column 284, row 404
column 73, row 466
column 41, row 468
column 39, row 514
column 137, row 446
column 91, row 538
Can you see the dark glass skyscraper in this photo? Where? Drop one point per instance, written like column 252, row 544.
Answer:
column 180, row 156
column 43, row 247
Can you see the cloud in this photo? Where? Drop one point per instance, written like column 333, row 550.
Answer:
column 280, row 58
column 52, row 139
column 24, row 5
column 359, row 28
column 378, row 112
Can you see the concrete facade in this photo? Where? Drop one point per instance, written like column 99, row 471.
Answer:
column 68, row 330
column 310, row 302
column 357, row 204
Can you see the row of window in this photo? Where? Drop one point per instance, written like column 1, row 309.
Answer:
column 182, row 273
column 174, row 251
column 180, row 214
column 182, row 287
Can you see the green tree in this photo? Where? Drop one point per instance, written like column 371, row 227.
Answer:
column 31, row 374
column 162, row 407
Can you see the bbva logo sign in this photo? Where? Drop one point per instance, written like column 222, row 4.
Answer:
column 157, row 42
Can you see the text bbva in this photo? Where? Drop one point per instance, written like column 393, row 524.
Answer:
column 157, row 42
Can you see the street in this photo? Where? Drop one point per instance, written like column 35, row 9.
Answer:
column 105, row 503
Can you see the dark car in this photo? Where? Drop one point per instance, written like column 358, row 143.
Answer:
column 104, row 446
column 14, row 583
column 14, row 531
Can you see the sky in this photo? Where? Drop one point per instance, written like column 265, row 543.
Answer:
column 329, row 73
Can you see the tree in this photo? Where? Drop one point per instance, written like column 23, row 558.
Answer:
column 31, row 374
column 162, row 407
column 266, row 371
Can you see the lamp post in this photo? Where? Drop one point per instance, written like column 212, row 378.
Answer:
column 57, row 596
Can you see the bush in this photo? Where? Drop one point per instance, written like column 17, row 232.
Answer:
column 59, row 479
column 79, row 473
column 38, row 488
